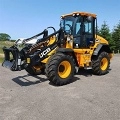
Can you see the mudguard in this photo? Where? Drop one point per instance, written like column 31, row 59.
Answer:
column 100, row 47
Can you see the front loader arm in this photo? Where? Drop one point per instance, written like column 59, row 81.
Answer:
column 30, row 54
column 40, row 54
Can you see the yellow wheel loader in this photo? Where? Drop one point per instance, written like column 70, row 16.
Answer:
column 61, row 54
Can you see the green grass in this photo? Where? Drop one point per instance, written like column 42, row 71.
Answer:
column 1, row 60
column 2, row 44
column 5, row 43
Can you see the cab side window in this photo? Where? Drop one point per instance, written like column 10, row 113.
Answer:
column 88, row 27
column 88, row 31
column 77, row 28
column 76, row 35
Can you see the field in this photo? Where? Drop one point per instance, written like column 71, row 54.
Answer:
column 2, row 44
column 87, row 97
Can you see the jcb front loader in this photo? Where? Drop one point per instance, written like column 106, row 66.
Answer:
column 75, row 45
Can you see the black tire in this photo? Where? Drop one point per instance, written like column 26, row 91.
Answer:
column 32, row 71
column 101, row 64
column 60, row 69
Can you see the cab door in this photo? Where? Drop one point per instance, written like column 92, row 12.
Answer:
column 88, row 31
column 84, row 32
column 77, row 36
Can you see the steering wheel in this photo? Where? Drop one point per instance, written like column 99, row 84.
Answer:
column 68, row 31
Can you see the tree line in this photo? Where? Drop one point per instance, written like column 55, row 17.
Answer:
column 113, row 37
column 5, row 37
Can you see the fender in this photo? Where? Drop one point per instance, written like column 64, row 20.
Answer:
column 105, row 47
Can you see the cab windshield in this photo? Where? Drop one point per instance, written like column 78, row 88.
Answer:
column 68, row 23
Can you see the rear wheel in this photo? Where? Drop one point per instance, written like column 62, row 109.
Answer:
column 60, row 69
column 101, row 63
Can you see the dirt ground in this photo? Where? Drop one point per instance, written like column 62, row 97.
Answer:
column 87, row 97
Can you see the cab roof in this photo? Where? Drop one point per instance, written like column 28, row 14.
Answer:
column 80, row 13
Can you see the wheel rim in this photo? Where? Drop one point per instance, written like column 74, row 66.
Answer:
column 64, row 69
column 104, row 64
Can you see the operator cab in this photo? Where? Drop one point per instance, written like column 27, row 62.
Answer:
column 81, row 26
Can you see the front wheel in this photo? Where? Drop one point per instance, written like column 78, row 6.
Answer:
column 101, row 63
column 60, row 69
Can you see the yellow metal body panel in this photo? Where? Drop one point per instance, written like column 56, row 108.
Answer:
column 51, row 41
column 100, row 39
column 84, row 55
